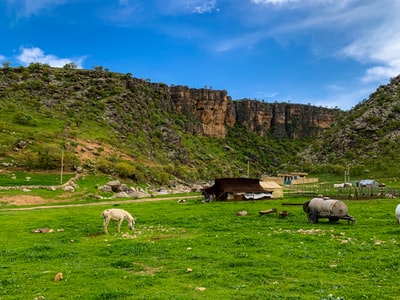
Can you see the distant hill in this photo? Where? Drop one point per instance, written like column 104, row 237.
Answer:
column 365, row 139
column 113, row 123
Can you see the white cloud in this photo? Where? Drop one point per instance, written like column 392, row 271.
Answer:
column 378, row 42
column 179, row 7
column 381, row 73
column 265, row 95
column 272, row 1
column 36, row 55
column 292, row 20
column 26, row 8
column 205, row 7
column 365, row 31
column 303, row 3
column 345, row 98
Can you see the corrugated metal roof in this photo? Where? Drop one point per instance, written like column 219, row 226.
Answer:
column 238, row 185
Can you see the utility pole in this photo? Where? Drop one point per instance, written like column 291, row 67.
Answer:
column 62, row 166
column 347, row 175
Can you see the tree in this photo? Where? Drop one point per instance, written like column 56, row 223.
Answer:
column 98, row 68
column 70, row 66
column 6, row 65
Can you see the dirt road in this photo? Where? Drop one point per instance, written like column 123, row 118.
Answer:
column 100, row 203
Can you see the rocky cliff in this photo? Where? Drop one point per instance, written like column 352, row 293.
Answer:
column 284, row 119
column 217, row 112
column 214, row 110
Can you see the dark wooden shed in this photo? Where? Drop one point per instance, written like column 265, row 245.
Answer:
column 236, row 189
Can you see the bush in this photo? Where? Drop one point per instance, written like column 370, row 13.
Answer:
column 22, row 118
column 49, row 158
column 159, row 176
column 105, row 166
column 125, row 169
column 29, row 159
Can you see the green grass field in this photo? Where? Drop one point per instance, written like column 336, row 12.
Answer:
column 18, row 178
column 248, row 257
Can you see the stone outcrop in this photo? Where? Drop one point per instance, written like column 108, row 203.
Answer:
column 215, row 112
column 284, row 119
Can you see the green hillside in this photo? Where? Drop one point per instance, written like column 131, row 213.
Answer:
column 112, row 123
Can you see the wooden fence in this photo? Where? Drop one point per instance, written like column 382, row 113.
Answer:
column 343, row 193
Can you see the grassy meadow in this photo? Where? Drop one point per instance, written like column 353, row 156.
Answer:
column 232, row 257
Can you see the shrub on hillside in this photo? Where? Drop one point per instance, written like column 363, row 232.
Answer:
column 28, row 159
column 22, row 118
column 125, row 169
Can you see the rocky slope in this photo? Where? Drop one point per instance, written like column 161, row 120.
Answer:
column 368, row 135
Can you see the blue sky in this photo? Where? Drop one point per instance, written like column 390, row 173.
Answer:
column 331, row 53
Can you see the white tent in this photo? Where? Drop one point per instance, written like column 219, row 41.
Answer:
column 270, row 186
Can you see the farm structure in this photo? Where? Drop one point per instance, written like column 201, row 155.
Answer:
column 273, row 187
column 236, row 189
column 290, row 178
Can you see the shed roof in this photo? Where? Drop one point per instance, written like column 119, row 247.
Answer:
column 270, row 185
column 236, row 185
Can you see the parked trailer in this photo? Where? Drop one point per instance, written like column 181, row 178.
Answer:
column 326, row 208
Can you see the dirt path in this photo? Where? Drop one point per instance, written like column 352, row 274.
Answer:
column 100, row 203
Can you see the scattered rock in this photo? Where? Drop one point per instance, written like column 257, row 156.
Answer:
column 42, row 230
column 283, row 214
column 59, row 276
column 241, row 213
column 121, row 195
column 69, row 188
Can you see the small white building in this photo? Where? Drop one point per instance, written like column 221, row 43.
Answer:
column 272, row 187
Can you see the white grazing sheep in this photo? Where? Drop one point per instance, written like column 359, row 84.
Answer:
column 117, row 214
column 398, row 213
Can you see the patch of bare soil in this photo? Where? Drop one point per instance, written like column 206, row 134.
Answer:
column 23, row 200
column 92, row 150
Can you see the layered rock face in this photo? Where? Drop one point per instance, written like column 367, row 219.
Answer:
column 284, row 119
column 214, row 109
column 216, row 113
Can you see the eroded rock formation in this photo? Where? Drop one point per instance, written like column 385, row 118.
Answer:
column 216, row 112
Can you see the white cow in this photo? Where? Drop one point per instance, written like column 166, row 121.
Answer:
column 398, row 213
column 117, row 214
